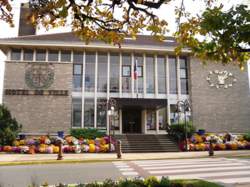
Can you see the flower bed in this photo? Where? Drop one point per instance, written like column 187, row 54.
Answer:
column 225, row 141
column 48, row 145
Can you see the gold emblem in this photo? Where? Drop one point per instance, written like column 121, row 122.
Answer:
column 39, row 76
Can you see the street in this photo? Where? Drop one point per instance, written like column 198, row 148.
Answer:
column 228, row 171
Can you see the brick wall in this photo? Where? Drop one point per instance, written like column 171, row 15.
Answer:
column 220, row 110
column 39, row 114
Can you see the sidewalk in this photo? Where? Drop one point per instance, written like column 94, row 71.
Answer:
column 12, row 159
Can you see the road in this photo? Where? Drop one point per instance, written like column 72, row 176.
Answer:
column 228, row 171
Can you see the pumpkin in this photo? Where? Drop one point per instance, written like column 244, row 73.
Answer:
column 22, row 142
column 16, row 143
column 31, row 150
column 91, row 142
column 55, row 149
column 97, row 149
column 24, row 149
column 234, row 146
column 7, row 148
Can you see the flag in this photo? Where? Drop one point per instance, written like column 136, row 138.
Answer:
column 135, row 70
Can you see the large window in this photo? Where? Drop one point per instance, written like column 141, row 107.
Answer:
column 77, row 112
column 16, row 54
column 40, row 55
column 138, row 85
column 184, row 75
column 150, row 74
column 89, row 112
column 77, row 77
column 162, row 118
column 28, row 54
column 53, row 55
column 78, row 57
column 172, row 75
column 173, row 114
column 65, row 56
column 102, row 72
column 114, row 72
column 161, row 66
column 90, row 72
column 126, row 73
column 101, row 113
column 151, row 119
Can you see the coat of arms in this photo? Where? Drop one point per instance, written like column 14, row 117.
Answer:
column 221, row 79
column 39, row 76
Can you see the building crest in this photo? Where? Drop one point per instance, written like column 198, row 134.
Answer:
column 221, row 79
column 39, row 76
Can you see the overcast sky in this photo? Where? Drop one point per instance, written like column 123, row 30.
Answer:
column 166, row 12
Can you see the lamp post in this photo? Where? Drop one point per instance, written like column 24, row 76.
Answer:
column 186, row 106
column 111, row 104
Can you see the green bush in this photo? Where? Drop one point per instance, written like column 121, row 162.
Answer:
column 247, row 136
column 87, row 133
column 9, row 127
column 178, row 130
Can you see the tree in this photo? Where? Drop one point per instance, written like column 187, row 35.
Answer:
column 226, row 34
column 9, row 127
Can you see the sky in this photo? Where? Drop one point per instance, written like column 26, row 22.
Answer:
column 166, row 13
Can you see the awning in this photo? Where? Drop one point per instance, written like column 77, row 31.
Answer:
column 141, row 103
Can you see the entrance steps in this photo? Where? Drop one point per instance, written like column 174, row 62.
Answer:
column 142, row 143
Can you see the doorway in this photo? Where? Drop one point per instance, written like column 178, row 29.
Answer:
column 131, row 121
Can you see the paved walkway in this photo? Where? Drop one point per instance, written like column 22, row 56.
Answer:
column 12, row 158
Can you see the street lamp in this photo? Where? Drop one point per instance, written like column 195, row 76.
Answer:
column 111, row 104
column 187, row 107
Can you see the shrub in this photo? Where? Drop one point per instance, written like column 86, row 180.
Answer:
column 178, row 130
column 9, row 127
column 247, row 136
column 87, row 133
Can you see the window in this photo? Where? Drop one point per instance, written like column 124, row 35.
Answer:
column 101, row 113
column 40, row 55
column 184, row 75
column 162, row 118
column 78, row 57
column 16, row 54
column 151, row 119
column 114, row 72
column 28, row 54
column 126, row 73
column 172, row 75
column 89, row 112
column 139, row 80
column 77, row 112
column 173, row 114
column 90, row 72
column 102, row 72
column 53, row 55
column 77, row 77
column 161, row 70
column 150, row 74
column 65, row 56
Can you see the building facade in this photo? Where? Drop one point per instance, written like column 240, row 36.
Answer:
column 56, row 82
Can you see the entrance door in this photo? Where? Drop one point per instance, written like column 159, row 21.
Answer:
column 131, row 121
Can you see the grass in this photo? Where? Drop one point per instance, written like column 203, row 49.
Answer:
column 193, row 183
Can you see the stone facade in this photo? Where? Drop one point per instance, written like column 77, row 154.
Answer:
column 39, row 113
column 219, row 110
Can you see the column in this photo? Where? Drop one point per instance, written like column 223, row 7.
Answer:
column 178, row 78
column 156, row 75
column 120, row 75
column 95, row 95
column 144, row 76
column 132, row 74
column 83, row 87
column 157, row 121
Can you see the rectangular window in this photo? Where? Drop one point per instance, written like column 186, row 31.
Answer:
column 126, row 73
column 139, row 81
column 53, row 55
column 28, row 54
column 161, row 70
column 150, row 74
column 89, row 112
column 77, row 77
column 173, row 114
column 77, row 112
column 40, row 55
column 90, row 72
column 65, row 56
column 184, row 75
column 151, row 119
column 162, row 118
column 16, row 54
column 101, row 114
column 172, row 75
column 114, row 72
column 78, row 57
column 102, row 72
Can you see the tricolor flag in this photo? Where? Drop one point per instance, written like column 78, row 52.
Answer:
column 135, row 70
